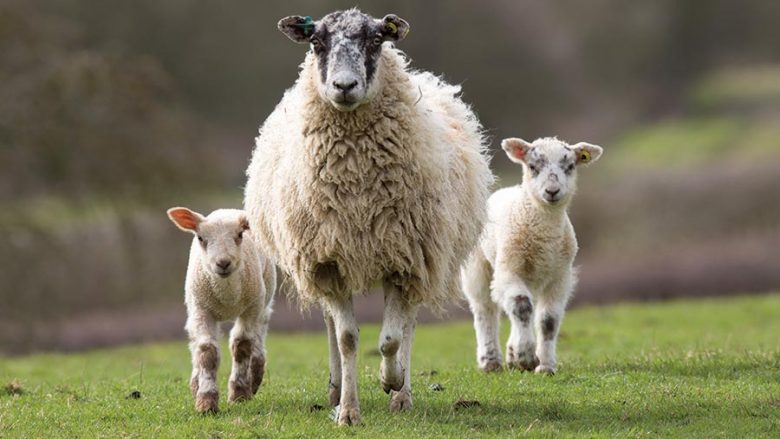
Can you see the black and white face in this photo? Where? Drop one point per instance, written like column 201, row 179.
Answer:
column 550, row 166
column 347, row 45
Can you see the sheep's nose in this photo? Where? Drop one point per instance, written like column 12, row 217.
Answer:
column 552, row 192
column 344, row 85
column 223, row 264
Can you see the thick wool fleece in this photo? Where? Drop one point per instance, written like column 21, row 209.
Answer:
column 394, row 190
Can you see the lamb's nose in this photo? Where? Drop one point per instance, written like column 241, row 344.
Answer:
column 344, row 85
column 552, row 192
column 223, row 264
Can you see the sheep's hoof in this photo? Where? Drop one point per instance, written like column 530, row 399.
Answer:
column 489, row 366
column 238, row 393
column 207, row 402
column 401, row 401
column 545, row 369
column 346, row 415
column 523, row 360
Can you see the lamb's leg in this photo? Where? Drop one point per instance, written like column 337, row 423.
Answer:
column 203, row 333
column 244, row 338
column 549, row 315
column 517, row 302
column 346, row 330
column 395, row 344
column 475, row 278
column 334, row 379
column 258, row 350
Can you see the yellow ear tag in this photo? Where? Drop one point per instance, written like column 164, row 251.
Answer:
column 391, row 27
column 584, row 156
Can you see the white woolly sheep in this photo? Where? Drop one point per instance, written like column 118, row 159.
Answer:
column 367, row 173
column 523, row 263
column 228, row 278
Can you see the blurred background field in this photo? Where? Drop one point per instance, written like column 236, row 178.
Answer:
column 112, row 111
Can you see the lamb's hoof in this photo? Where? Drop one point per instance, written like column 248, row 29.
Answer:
column 526, row 360
column 493, row 365
column 334, row 394
column 346, row 416
column 207, row 402
column 238, row 393
column 401, row 401
column 545, row 369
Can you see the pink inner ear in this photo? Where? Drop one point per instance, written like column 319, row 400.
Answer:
column 518, row 151
column 184, row 219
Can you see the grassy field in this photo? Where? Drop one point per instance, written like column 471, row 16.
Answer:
column 688, row 369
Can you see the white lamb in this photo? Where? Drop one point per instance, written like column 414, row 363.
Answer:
column 523, row 263
column 228, row 278
column 367, row 173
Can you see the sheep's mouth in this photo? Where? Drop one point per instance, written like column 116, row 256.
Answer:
column 344, row 103
column 224, row 273
column 552, row 201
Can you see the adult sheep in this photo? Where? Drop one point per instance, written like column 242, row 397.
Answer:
column 367, row 172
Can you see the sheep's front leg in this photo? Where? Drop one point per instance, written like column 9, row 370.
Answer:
column 258, row 350
column 549, row 315
column 334, row 378
column 203, row 333
column 475, row 279
column 516, row 300
column 245, row 345
column 395, row 344
column 346, row 330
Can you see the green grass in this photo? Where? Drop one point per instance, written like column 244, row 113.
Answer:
column 708, row 368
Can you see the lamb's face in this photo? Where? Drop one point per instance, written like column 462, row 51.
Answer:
column 347, row 45
column 550, row 166
column 219, row 236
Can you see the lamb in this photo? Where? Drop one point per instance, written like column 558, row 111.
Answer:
column 523, row 262
column 365, row 174
column 228, row 278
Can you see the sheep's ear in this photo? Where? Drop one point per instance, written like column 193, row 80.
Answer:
column 243, row 222
column 185, row 219
column 516, row 149
column 587, row 153
column 394, row 28
column 297, row 28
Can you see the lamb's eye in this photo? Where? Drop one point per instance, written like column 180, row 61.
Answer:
column 378, row 41
column 570, row 168
column 532, row 168
column 315, row 42
column 202, row 241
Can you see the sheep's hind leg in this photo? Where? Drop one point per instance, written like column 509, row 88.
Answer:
column 395, row 344
column 334, row 378
column 203, row 333
column 475, row 279
column 346, row 330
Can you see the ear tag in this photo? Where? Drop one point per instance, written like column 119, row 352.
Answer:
column 391, row 27
column 307, row 25
column 584, row 156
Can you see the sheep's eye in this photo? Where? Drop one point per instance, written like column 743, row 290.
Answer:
column 315, row 42
column 532, row 168
column 570, row 168
column 378, row 41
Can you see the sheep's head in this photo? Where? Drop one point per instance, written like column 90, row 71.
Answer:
column 219, row 236
column 347, row 45
column 550, row 166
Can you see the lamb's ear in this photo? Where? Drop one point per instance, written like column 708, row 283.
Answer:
column 395, row 28
column 243, row 222
column 587, row 152
column 185, row 219
column 516, row 148
column 297, row 28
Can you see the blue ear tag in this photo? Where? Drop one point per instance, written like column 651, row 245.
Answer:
column 307, row 25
